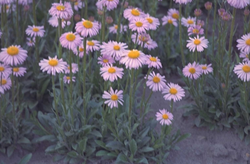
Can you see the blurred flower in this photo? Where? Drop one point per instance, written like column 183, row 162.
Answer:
column 0, row 34
column 153, row 62
column 208, row 5
column 87, row 28
column 77, row 17
column 81, row 51
column 153, row 22
column 139, row 24
column 239, row 4
column 200, row 23
column 132, row 13
column 242, row 70
column 245, row 56
column 53, row 65
column 113, row 48
column 246, row 12
column 19, row 71
column 244, row 43
column 60, row 10
column 53, row 21
column 221, row 11
column 109, row 4
column 125, row 4
column 206, row 68
column 192, row 71
column 92, row 45
column 30, row 42
column 9, row 7
column 182, row 1
column 70, row 40
column 173, row 13
column 5, row 70
column 111, row 73
column 150, row 44
column 113, row 29
column 133, row 59
column 6, row 1
column 197, row 12
column 66, row 79
column 13, row 55
column 173, row 92
column 105, row 60
column 169, row 20
column 156, row 82
column 78, row 5
column 188, row 22
column 196, row 30
column 113, row 98
column 74, row 68
column 164, row 117
column 197, row 43
column 109, row 20
column 34, row 31
column 226, row 16
column 5, row 84
column 24, row 2
column 141, row 39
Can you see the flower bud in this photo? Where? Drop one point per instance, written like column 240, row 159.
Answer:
column 91, row 18
column 246, row 12
column 100, row 12
column 125, row 4
column 197, row 12
column 208, row 5
column 109, row 20
column 77, row 18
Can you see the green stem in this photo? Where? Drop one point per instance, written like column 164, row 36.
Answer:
column 246, row 100
column 119, row 21
column 34, row 12
column 172, row 105
column 13, row 104
column 71, row 88
column 130, row 96
column 180, row 38
column 59, row 35
column 84, row 80
column 171, row 3
column 214, row 24
column 143, row 94
column 86, row 9
column 17, row 24
column 103, row 25
column 55, row 100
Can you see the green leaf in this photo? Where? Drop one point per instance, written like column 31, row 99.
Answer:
column 133, row 146
column 246, row 129
column 25, row 159
column 49, row 149
column 114, row 145
column 146, row 149
column 50, row 138
column 184, row 136
column 10, row 150
column 96, row 133
column 247, row 139
column 83, row 144
column 100, row 143
column 24, row 140
column 101, row 153
column 121, row 158
column 72, row 154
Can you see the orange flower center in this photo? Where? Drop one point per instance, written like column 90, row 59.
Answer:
column 153, row 59
column 204, row 67
column 53, row 62
column 190, row 21
column 105, row 60
column 3, row 82
column 197, row 42
column 248, row 42
column 60, row 7
column 135, row 12
column 87, row 24
column 156, row 79
column 12, row 50
column 1, row 69
column 76, row 3
column 196, row 31
column 173, row 91
column 170, row 21
column 192, row 70
column 70, row 37
column 246, row 68
column 81, row 49
column 68, row 77
column 165, row 116
column 16, row 69
column 90, row 43
column 150, row 20
column 138, row 24
column 116, row 27
column 35, row 29
column 175, row 16
column 111, row 70
column 134, row 54
column 114, row 97
column 116, row 47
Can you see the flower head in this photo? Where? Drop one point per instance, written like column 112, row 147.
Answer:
column 93, row 45
column 5, row 70
column 34, row 31
column 173, row 92
column 53, row 65
column 133, row 59
column 244, row 43
column 78, row 5
column 156, row 82
column 5, row 84
column 66, row 79
column 195, row 30
column 74, row 68
column 114, row 49
column 206, row 68
column 139, row 24
column 153, row 22
column 169, row 20
column 132, row 13
column 30, row 42
column 19, row 71
column 53, row 21
column 87, row 28
column 244, row 55
column 113, row 98
column 192, row 71
column 109, row 4
column 153, row 62
column 187, row 22
column 173, row 13
column 242, row 70
column 70, row 40
column 60, row 10
column 239, row 4
column 197, row 43
column 111, row 73
column 164, row 117
column 105, row 60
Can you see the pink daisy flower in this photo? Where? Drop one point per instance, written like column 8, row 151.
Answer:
column 150, row 44
column 113, row 98
column 245, row 56
column 153, row 22
column 173, row 92
column 30, row 42
column 173, row 13
column 153, row 62
column 169, row 20
column 93, row 45
column 111, row 73
column 5, row 84
column 5, row 70
column 192, row 71
column 141, row 38
column 139, row 24
column 182, row 1
column 13, row 55
column 109, row 4
column 6, row 1
column 164, row 117
column 87, row 28
column 133, row 59
column 114, row 49
column 74, row 68
column 206, row 69
column 242, row 70
column 156, row 82
column 60, row 10
column 53, row 21
column 244, row 43
column 197, row 43
column 70, row 40
column 105, row 60
column 113, row 29
column 200, row 23
column 34, row 31
column 188, row 22
column 81, row 51
column 78, row 5
column 132, row 13
column 53, row 65
column 239, row 4
column 196, row 30
column 66, row 79
column 19, row 71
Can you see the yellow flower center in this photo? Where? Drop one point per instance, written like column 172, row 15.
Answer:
column 165, row 116
column 12, row 50
column 116, row 27
column 68, row 77
column 114, row 97
column 190, row 21
column 7, row 7
column 142, row 38
column 105, row 60
column 53, row 62
column 135, row 12
column 134, row 54
column 175, row 16
column 204, row 67
column 87, row 24
column 16, row 69
column 196, row 31
column 35, row 29
column 116, row 47
column 156, row 79
column 60, row 7
column 90, row 43
column 153, row 59
column 3, row 82
column 76, row 3
column 1, row 69
column 138, row 24
column 248, row 42
column 173, row 91
column 81, row 49
column 70, row 37
column 150, row 20
column 246, row 68
column 111, row 70
column 247, row 56
column 192, row 70
column 197, row 41
column 170, row 21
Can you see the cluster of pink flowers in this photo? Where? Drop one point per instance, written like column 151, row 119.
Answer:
column 195, row 70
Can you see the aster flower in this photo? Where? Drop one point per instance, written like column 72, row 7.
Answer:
column 74, row 68
column 6, row 1
column 53, row 21
column 132, row 13
column 173, row 92
column 206, row 68
column 139, row 24
column 113, row 48
column 70, row 40
column 113, row 98
column 113, row 29
column 242, row 70
column 245, row 56
column 142, row 38
column 200, row 23
column 244, row 43
column 239, row 4
column 81, row 51
column 156, row 82
column 197, row 43
column 78, row 5
column 93, row 45
column 87, row 28
column 182, row 1
column 66, row 79
column 9, row 8
column 192, row 71
column 53, row 65
column 111, row 73
column 60, row 10
column 30, row 42
column 187, row 22
column 13, row 55
column 153, row 62
column 105, row 60
column 196, row 30
column 109, row 4
column 150, row 44
column 169, row 20
column 19, row 71
column 173, row 13
column 34, row 31
column 153, row 22
column 133, row 59
column 5, row 84
column 5, row 70
column 164, row 117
